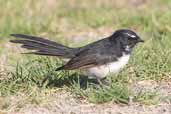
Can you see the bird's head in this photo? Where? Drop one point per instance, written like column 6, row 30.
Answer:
column 127, row 39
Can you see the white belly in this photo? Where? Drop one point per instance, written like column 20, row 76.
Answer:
column 104, row 70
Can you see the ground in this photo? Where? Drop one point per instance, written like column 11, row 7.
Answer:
column 28, row 84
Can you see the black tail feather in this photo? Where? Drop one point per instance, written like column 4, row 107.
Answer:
column 39, row 39
column 43, row 46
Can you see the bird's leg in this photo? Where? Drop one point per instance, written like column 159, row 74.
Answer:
column 99, row 81
column 103, row 81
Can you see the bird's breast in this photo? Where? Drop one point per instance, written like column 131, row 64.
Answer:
column 103, row 70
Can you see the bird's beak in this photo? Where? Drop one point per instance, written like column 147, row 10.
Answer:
column 140, row 40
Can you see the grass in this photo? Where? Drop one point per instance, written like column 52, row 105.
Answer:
column 59, row 20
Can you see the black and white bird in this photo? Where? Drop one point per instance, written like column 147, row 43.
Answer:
column 97, row 59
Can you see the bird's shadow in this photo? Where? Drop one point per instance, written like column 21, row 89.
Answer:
column 68, row 81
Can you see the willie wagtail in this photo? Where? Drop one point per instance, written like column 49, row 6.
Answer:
column 97, row 59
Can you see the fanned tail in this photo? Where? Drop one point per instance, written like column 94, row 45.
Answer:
column 43, row 46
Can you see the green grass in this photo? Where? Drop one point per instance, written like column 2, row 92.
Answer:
column 59, row 20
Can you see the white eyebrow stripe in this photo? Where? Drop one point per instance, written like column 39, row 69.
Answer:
column 133, row 36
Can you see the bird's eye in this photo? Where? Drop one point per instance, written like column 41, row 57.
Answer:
column 131, row 35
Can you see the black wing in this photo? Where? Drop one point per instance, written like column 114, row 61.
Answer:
column 98, row 54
